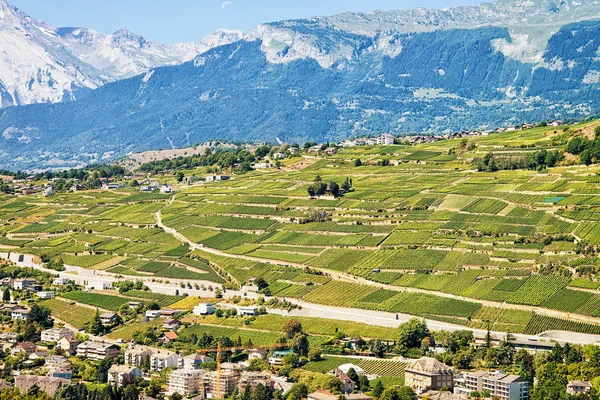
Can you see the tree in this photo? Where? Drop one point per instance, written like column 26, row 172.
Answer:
column 334, row 189
column 378, row 389
column 411, row 334
column 377, row 348
column 298, row 391
column 363, row 383
column 40, row 315
column 352, row 375
column 301, row 345
column 96, row 327
column 357, row 162
column 180, row 175
column 292, row 328
column 6, row 295
column 176, row 396
column 317, row 189
column 262, row 392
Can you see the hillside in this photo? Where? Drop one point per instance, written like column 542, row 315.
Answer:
column 423, row 233
column 434, row 81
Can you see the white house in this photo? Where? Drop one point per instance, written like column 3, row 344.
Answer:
column 44, row 295
column 263, row 165
column 204, row 309
column 151, row 314
column 248, row 311
column 60, row 281
column 163, row 359
column 385, row 138
column 215, row 178
column 19, row 313
column 167, row 190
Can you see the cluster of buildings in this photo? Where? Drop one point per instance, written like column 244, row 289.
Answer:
column 430, row 378
column 382, row 139
column 151, row 186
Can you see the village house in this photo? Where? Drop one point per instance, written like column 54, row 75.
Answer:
column 348, row 386
column 216, row 178
column 19, row 313
column 171, row 324
column 134, row 304
column 427, row 373
column 112, row 186
column 167, row 190
column 97, row 350
column 263, row 165
column 247, row 311
column 168, row 337
column 204, row 309
column 60, row 281
column 108, row 318
column 576, row 387
column 330, row 151
column 55, row 334
column 257, row 354
column 46, row 384
column 45, row 295
column 68, row 345
column 21, row 284
column 122, row 374
column 23, row 347
column 151, row 314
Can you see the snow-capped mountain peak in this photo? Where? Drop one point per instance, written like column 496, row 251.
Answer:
column 43, row 63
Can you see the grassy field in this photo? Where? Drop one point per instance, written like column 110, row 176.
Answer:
column 70, row 313
column 428, row 221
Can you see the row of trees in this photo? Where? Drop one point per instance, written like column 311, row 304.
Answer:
column 536, row 160
column 319, row 188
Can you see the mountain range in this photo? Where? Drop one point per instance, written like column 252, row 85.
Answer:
column 43, row 63
column 322, row 78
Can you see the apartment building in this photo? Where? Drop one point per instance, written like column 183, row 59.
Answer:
column 427, row 373
column 55, row 334
column 498, row 384
column 97, row 350
column 120, row 375
column 186, row 381
column 193, row 361
column 228, row 382
column 252, row 379
column 137, row 355
column 46, row 384
column 162, row 359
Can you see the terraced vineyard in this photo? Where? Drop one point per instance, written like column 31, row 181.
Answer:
column 425, row 234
